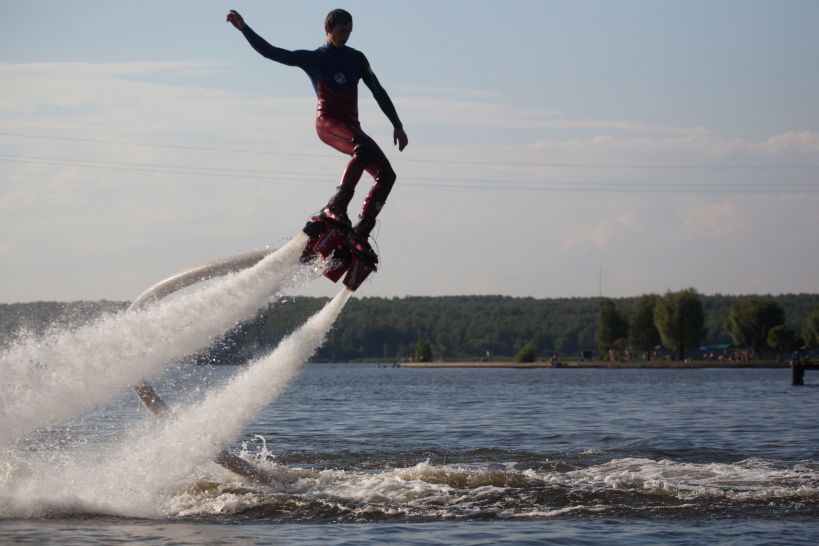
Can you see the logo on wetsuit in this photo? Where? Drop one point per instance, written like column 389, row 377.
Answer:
column 340, row 78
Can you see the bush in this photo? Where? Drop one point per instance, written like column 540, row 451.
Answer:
column 527, row 354
column 423, row 351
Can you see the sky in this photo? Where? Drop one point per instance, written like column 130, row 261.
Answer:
column 556, row 149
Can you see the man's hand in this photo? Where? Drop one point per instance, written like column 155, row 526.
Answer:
column 236, row 19
column 400, row 137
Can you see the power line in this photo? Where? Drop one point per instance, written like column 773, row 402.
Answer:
column 142, row 166
column 221, row 171
column 442, row 161
column 639, row 187
column 162, row 145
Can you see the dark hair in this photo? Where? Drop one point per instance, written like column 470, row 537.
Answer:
column 337, row 17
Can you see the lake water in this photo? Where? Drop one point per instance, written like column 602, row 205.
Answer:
column 368, row 455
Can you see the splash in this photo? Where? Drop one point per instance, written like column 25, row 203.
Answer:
column 137, row 477
column 48, row 380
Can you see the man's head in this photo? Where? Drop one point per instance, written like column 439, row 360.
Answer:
column 338, row 25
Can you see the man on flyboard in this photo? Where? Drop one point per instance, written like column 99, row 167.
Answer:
column 335, row 69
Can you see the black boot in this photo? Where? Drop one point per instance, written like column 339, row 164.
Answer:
column 329, row 227
column 359, row 240
column 335, row 213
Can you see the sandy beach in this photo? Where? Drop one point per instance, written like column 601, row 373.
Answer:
column 659, row 364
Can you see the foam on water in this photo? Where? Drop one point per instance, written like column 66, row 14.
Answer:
column 51, row 379
column 430, row 491
column 143, row 476
column 755, row 480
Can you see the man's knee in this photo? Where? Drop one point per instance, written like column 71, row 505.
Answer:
column 386, row 176
column 368, row 152
column 364, row 149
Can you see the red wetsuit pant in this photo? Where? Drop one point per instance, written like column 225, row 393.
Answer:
column 348, row 138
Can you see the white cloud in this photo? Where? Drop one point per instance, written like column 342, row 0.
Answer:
column 95, row 97
column 456, row 91
column 25, row 87
column 600, row 235
column 699, row 149
column 500, row 115
column 718, row 220
column 803, row 142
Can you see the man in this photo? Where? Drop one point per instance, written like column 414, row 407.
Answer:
column 335, row 69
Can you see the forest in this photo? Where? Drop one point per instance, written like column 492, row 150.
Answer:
column 388, row 329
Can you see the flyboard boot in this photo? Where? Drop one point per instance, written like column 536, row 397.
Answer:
column 355, row 257
column 330, row 228
column 348, row 248
column 363, row 260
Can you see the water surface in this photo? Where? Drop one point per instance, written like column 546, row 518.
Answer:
column 466, row 456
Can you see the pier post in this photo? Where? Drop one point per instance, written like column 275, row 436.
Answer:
column 797, row 370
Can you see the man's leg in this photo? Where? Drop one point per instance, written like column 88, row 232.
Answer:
column 366, row 155
column 340, row 136
column 379, row 167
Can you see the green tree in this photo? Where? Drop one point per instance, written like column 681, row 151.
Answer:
column 750, row 320
column 611, row 325
column 642, row 331
column 783, row 338
column 527, row 354
column 423, row 351
column 811, row 330
column 680, row 320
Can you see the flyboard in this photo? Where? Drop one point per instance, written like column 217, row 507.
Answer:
column 329, row 238
column 326, row 239
column 164, row 288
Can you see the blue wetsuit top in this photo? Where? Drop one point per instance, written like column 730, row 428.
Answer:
column 334, row 73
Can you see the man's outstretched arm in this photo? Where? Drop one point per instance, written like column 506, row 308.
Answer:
column 290, row 58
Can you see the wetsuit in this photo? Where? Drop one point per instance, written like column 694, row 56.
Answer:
column 335, row 73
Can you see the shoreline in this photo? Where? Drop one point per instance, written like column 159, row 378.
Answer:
column 599, row 364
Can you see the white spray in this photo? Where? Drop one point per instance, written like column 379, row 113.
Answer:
column 146, row 471
column 44, row 381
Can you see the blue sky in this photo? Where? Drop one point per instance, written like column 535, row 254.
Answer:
column 666, row 144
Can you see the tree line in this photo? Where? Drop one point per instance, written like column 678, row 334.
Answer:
column 678, row 320
column 474, row 327
column 38, row 318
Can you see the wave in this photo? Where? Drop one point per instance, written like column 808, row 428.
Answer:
column 427, row 491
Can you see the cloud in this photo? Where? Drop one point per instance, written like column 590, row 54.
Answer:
column 700, row 155
column 500, row 115
column 98, row 96
column 601, row 234
column 25, row 87
column 718, row 220
column 456, row 91
column 804, row 142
